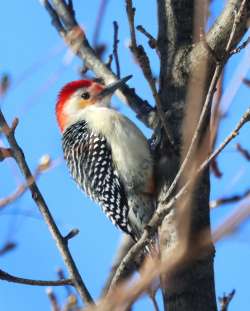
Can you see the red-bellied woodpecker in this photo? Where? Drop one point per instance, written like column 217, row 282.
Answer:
column 107, row 155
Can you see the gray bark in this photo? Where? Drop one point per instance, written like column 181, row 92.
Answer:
column 193, row 287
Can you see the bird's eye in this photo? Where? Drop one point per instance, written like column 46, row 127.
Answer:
column 85, row 95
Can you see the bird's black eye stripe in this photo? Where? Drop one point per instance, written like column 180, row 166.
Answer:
column 85, row 95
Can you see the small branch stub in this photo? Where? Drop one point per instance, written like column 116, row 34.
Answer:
column 225, row 300
column 5, row 153
column 71, row 234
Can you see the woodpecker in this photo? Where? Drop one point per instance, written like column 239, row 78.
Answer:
column 107, row 155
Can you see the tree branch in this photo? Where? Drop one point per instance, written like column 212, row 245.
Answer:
column 14, row 279
column 53, row 300
column 207, row 105
column 115, row 49
column 124, row 247
column 225, row 300
column 231, row 199
column 244, row 152
column 159, row 214
column 219, row 34
column 44, row 165
column 141, row 107
column 5, row 153
column 144, row 63
column 152, row 42
column 39, row 200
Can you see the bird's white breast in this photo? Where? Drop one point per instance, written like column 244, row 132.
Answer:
column 130, row 150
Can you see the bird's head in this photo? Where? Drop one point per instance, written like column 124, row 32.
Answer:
column 78, row 95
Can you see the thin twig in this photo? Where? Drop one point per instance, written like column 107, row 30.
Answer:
column 44, row 165
column 99, row 20
column 115, row 49
column 39, row 200
column 233, row 222
column 5, row 153
column 8, row 246
column 216, row 116
column 244, row 152
column 5, row 84
column 232, row 199
column 154, row 301
column 71, row 234
column 161, row 213
column 225, row 300
column 246, row 82
column 61, row 276
column 241, row 47
column 109, row 62
column 143, row 60
column 141, row 107
column 124, row 247
column 55, row 20
column 206, row 106
column 214, row 167
column 152, row 42
column 18, row 193
column 178, row 258
column 14, row 279
column 53, row 299
column 197, row 132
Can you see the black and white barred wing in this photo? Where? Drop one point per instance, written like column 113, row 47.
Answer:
column 89, row 159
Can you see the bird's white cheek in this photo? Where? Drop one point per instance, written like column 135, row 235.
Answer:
column 72, row 107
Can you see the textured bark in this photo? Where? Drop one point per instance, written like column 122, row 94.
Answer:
column 182, row 67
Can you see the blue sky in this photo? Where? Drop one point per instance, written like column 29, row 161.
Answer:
column 34, row 56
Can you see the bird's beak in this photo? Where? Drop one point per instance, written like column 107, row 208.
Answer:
column 111, row 88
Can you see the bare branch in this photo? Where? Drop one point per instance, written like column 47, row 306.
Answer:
column 99, row 20
column 161, row 213
column 246, row 82
column 233, row 222
column 5, row 83
column 143, row 110
column 124, row 247
column 8, row 246
column 231, row 199
column 53, row 300
column 14, row 279
column 219, row 34
column 55, row 20
column 115, row 49
column 244, row 152
column 152, row 42
column 152, row 295
column 225, row 300
column 215, row 169
column 5, row 153
column 216, row 116
column 61, row 276
column 143, row 60
column 71, row 235
column 45, row 164
column 207, row 105
column 241, row 47
column 39, row 200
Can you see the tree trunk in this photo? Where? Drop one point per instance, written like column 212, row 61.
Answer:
column 183, row 69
